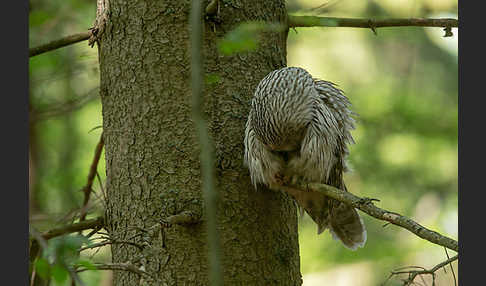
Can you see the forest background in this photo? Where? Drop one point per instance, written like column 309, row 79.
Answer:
column 403, row 83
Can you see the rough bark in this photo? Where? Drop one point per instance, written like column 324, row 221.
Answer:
column 152, row 157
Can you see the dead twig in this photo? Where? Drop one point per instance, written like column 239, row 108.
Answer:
column 87, row 224
column 88, row 188
column 62, row 42
column 412, row 274
column 316, row 21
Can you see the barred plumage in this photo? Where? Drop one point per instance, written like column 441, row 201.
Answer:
column 298, row 128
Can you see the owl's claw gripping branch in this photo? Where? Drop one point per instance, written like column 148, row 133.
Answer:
column 366, row 200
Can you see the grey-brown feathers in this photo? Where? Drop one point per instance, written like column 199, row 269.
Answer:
column 299, row 127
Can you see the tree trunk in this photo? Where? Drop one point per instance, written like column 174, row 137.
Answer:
column 152, row 157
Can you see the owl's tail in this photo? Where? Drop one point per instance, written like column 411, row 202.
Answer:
column 346, row 225
column 343, row 221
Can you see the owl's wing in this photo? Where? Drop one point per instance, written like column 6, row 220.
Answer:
column 263, row 165
column 317, row 151
column 339, row 105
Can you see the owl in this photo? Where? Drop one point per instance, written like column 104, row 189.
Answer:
column 298, row 130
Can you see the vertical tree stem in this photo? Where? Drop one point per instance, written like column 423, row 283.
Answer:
column 206, row 157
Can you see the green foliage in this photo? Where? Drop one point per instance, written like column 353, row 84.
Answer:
column 42, row 268
column 244, row 37
column 60, row 257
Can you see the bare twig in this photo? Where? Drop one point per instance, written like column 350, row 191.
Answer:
column 367, row 206
column 117, row 266
column 87, row 224
column 452, row 269
column 412, row 274
column 316, row 21
column 63, row 108
column 109, row 242
column 56, row 44
column 88, row 188
column 206, row 157
column 293, row 22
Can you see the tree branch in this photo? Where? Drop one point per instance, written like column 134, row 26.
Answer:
column 63, row 108
column 366, row 205
column 412, row 274
column 293, row 22
column 92, row 173
column 87, row 224
column 56, row 44
column 315, row 21
column 117, row 266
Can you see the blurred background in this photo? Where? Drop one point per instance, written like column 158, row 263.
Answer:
column 403, row 83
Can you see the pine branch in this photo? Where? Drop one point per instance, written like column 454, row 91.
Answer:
column 366, row 205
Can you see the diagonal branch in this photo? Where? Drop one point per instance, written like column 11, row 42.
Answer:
column 87, row 224
column 366, row 205
column 92, row 173
column 62, row 42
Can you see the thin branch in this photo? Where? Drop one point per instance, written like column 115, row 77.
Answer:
column 366, row 205
column 87, row 224
column 452, row 269
column 109, row 242
column 88, row 188
column 315, row 21
column 64, row 107
column 210, row 194
column 56, row 44
column 117, row 266
column 293, row 22
column 414, row 273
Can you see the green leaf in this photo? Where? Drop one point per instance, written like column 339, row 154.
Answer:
column 59, row 273
column 42, row 268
